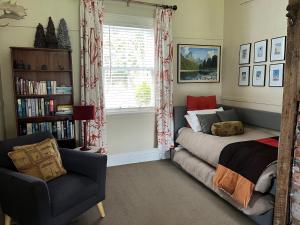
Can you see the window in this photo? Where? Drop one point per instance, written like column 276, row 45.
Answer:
column 128, row 64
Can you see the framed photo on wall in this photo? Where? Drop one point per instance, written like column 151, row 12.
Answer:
column 245, row 52
column 278, row 49
column 259, row 75
column 260, row 51
column 198, row 63
column 276, row 75
column 244, row 76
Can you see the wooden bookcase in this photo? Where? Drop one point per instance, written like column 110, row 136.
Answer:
column 43, row 65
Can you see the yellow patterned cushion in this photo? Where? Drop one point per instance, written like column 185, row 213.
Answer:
column 227, row 128
column 41, row 160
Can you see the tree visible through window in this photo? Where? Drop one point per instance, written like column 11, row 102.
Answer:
column 128, row 66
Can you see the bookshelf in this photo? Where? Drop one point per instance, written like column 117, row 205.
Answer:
column 43, row 88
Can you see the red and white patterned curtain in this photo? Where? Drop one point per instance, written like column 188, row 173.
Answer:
column 164, row 78
column 91, row 78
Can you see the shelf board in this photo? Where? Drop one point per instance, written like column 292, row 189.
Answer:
column 41, row 71
column 66, row 139
column 40, row 119
column 42, row 96
column 41, row 49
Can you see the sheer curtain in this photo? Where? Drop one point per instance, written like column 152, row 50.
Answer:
column 91, row 79
column 164, row 78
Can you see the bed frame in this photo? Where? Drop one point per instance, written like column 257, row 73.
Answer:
column 259, row 118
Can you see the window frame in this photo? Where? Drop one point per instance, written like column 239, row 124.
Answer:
column 135, row 22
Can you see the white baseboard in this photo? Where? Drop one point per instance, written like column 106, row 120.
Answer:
column 136, row 157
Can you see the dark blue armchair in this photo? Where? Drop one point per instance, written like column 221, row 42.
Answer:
column 32, row 201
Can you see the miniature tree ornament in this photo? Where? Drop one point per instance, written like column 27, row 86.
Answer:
column 63, row 35
column 50, row 35
column 40, row 38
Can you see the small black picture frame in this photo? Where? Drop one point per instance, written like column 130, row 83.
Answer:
column 245, row 54
column 279, row 82
column 273, row 57
column 260, row 51
column 256, row 82
column 244, row 76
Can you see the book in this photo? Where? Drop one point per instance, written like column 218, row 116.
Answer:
column 58, row 128
column 29, row 128
column 49, row 92
column 19, row 106
column 54, row 129
column 23, row 104
column 51, row 107
column 42, row 107
column 63, row 90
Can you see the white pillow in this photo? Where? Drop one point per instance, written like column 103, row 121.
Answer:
column 195, row 125
column 194, row 119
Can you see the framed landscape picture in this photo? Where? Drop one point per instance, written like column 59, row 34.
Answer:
column 244, row 76
column 198, row 63
column 278, row 49
column 276, row 75
column 260, row 51
column 259, row 75
column 245, row 52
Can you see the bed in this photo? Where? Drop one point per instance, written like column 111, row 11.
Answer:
column 200, row 161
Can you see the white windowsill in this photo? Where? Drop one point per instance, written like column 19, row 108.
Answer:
column 130, row 111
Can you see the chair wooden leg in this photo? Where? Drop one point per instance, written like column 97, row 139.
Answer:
column 7, row 220
column 101, row 209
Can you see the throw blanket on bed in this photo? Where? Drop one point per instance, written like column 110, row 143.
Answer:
column 241, row 164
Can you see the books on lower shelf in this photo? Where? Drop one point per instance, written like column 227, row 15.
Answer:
column 32, row 87
column 59, row 129
column 32, row 107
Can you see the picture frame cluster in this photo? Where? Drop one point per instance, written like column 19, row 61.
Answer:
column 260, row 58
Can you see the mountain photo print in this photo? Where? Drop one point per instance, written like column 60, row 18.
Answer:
column 198, row 63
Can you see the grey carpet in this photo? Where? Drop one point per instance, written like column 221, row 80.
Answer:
column 159, row 193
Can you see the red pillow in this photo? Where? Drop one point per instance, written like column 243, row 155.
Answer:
column 201, row 102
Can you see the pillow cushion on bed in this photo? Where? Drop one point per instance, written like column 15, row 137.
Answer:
column 193, row 120
column 228, row 115
column 192, row 123
column 201, row 102
column 206, row 121
column 228, row 128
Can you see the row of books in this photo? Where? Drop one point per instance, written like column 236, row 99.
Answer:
column 31, row 107
column 64, row 110
column 59, row 129
column 28, row 87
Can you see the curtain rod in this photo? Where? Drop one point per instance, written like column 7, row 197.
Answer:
column 174, row 7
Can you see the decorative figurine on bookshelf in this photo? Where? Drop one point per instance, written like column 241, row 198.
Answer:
column 44, row 67
column 61, row 67
column 84, row 113
column 21, row 65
